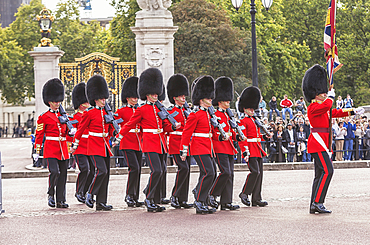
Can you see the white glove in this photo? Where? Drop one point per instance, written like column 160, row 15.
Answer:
column 359, row 110
column 35, row 157
column 331, row 93
column 73, row 131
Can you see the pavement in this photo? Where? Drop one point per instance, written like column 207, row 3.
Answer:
column 286, row 220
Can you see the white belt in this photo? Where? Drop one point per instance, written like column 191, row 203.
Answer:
column 152, row 130
column 98, row 134
column 55, row 138
column 254, row 140
column 204, row 135
column 176, row 132
column 136, row 130
column 85, row 136
column 227, row 133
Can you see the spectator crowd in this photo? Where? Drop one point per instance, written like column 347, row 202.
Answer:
column 291, row 129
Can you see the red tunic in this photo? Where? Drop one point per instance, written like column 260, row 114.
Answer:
column 318, row 114
column 132, row 140
column 225, row 147
column 55, row 145
column 198, row 122
column 99, row 132
column 151, row 124
column 252, row 132
column 175, row 137
column 82, row 146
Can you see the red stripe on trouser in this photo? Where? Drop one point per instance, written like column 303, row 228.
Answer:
column 150, row 182
column 128, row 178
column 218, row 177
column 324, row 177
column 96, row 175
column 177, row 177
column 78, row 179
column 200, row 187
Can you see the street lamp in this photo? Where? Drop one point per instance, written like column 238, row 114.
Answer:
column 267, row 4
column 45, row 20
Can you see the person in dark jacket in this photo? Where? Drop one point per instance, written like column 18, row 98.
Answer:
column 290, row 138
column 307, row 131
column 273, row 107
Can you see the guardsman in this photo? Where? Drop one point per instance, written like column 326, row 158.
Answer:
column 315, row 90
column 224, row 148
column 130, row 145
column 55, row 147
column 154, row 145
column 197, row 141
column 251, row 148
column 177, row 89
column 98, row 147
column 85, row 165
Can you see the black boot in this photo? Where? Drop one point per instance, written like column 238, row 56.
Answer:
column 212, row 201
column 200, row 208
column 138, row 203
column 130, row 201
column 62, row 204
column 164, row 201
column 51, row 201
column 89, row 201
column 259, row 203
column 150, row 206
column 320, row 208
column 103, row 206
column 184, row 204
column 229, row 206
column 80, row 197
column 244, row 199
column 175, row 202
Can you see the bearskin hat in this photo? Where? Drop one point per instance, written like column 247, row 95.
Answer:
column 224, row 90
column 314, row 82
column 79, row 95
column 204, row 88
column 163, row 95
column 53, row 91
column 129, row 89
column 96, row 88
column 177, row 85
column 150, row 82
column 250, row 98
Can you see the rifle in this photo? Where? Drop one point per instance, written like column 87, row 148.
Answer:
column 261, row 125
column 233, row 123
column 164, row 114
column 109, row 118
column 187, row 110
column 64, row 118
column 215, row 122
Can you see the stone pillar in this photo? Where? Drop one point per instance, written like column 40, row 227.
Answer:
column 45, row 67
column 154, row 41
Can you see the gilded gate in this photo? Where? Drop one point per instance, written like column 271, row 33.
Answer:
column 110, row 68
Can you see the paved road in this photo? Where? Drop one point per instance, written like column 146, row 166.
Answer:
column 28, row 220
column 15, row 153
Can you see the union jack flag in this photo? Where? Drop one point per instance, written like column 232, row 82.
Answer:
column 330, row 43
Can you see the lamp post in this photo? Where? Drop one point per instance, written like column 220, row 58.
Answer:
column 267, row 4
column 45, row 20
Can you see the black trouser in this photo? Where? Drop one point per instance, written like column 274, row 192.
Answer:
column 99, row 184
column 181, row 188
column 156, row 165
column 207, row 175
column 57, row 178
column 323, row 173
column 223, row 185
column 163, row 189
column 87, row 171
column 133, row 159
column 253, row 183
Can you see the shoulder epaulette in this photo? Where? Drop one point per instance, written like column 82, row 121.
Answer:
column 123, row 106
column 142, row 104
column 90, row 108
column 43, row 113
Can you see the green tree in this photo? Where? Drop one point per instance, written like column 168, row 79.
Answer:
column 23, row 34
column 207, row 43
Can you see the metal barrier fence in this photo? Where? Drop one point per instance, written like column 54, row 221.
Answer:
column 1, row 188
